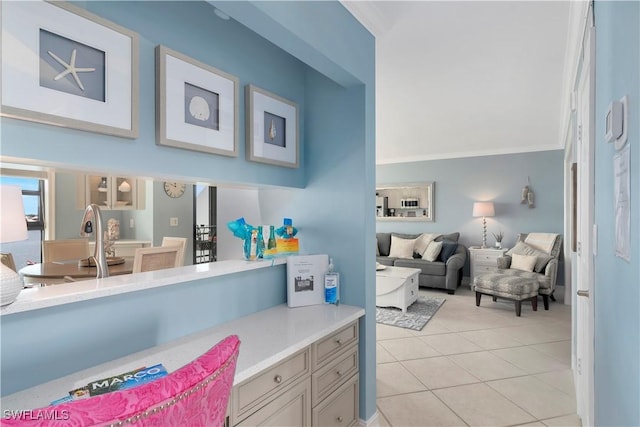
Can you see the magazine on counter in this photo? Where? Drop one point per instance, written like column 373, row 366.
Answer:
column 117, row 382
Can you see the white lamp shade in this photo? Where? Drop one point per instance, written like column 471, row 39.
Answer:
column 13, row 226
column 483, row 209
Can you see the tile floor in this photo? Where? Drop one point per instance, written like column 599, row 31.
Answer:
column 478, row 366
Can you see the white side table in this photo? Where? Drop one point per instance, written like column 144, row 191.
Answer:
column 483, row 260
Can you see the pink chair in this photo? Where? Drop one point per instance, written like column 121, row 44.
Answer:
column 195, row 395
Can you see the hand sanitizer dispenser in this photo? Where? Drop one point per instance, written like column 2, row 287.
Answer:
column 331, row 285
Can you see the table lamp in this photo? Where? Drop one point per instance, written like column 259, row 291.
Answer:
column 13, row 228
column 483, row 209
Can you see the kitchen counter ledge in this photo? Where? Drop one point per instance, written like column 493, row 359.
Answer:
column 54, row 295
column 266, row 338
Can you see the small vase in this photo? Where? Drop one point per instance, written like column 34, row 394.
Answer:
column 499, row 245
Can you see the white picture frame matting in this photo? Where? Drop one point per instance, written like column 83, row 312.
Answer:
column 24, row 98
column 257, row 102
column 174, row 70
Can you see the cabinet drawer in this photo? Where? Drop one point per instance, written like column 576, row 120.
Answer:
column 340, row 408
column 290, row 408
column 328, row 347
column 485, row 258
column 482, row 269
column 253, row 391
column 326, row 380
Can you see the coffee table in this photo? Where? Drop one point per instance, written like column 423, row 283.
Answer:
column 397, row 287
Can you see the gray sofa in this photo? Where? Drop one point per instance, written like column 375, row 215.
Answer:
column 434, row 274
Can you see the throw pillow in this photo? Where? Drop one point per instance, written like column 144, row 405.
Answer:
column 422, row 242
column 522, row 248
column 384, row 243
column 432, row 252
column 452, row 237
column 448, row 249
column 401, row 248
column 523, row 262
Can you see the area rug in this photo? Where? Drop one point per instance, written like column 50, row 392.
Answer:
column 418, row 313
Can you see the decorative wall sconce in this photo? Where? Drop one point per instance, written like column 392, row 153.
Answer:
column 528, row 196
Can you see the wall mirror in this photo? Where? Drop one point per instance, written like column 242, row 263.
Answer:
column 147, row 216
column 405, row 202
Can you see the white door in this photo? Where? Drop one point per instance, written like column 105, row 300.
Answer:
column 585, row 268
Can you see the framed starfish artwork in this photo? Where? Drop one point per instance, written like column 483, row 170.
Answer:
column 64, row 66
column 272, row 128
column 197, row 105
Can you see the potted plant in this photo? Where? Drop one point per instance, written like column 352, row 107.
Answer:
column 498, row 236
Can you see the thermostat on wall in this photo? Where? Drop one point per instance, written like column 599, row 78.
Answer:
column 616, row 123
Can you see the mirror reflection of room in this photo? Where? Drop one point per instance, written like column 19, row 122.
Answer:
column 135, row 212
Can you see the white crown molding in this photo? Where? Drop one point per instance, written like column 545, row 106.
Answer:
column 477, row 153
column 369, row 15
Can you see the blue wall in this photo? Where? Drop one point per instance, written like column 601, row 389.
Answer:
column 45, row 344
column 330, row 74
column 499, row 178
column 226, row 45
column 617, row 282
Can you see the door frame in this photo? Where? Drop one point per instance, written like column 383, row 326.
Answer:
column 583, row 364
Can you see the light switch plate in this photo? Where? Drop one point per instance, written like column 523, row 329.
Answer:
column 173, row 221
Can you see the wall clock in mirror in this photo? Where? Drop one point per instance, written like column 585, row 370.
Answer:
column 174, row 189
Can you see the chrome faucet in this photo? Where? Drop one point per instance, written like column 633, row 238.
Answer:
column 92, row 223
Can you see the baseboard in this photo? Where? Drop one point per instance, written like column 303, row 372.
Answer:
column 374, row 421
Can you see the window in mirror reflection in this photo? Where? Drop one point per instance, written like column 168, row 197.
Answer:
column 28, row 251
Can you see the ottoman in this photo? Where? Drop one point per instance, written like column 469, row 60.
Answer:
column 509, row 287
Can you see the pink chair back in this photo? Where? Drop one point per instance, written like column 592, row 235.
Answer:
column 195, row 395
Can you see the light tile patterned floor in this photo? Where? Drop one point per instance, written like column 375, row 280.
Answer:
column 478, row 366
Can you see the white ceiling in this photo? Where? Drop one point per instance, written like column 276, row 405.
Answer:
column 467, row 78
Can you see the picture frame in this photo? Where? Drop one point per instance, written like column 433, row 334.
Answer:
column 272, row 128
column 64, row 66
column 197, row 105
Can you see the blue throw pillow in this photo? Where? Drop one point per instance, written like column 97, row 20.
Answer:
column 448, row 248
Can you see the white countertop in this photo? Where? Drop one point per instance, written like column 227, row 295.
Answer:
column 53, row 295
column 266, row 338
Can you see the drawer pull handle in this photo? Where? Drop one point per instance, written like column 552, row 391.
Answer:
column 339, row 419
column 278, row 379
column 338, row 373
column 339, row 341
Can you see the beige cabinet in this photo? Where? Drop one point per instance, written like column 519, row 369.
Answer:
column 317, row 386
column 111, row 192
column 289, row 409
column 483, row 260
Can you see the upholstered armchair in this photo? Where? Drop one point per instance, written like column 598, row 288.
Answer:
column 547, row 248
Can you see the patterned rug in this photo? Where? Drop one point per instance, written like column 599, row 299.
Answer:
column 418, row 313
